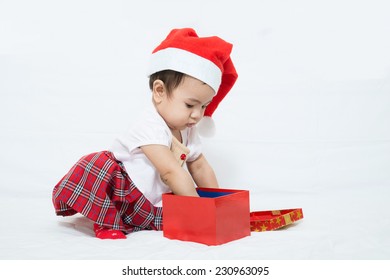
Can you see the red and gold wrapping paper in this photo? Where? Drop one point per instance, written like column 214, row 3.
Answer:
column 274, row 219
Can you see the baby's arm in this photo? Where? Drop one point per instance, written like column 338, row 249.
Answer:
column 202, row 173
column 172, row 174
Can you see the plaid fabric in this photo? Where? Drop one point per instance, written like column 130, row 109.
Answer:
column 99, row 188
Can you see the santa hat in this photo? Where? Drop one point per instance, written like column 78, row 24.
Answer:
column 204, row 58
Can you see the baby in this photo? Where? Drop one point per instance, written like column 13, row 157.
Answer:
column 121, row 189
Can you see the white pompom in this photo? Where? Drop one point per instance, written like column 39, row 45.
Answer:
column 206, row 127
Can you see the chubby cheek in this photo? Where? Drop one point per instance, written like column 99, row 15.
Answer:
column 182, row 117
column 177, row 118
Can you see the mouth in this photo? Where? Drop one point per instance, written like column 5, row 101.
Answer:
column 191, row 125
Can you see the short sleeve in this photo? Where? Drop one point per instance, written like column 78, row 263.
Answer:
column 148, row 130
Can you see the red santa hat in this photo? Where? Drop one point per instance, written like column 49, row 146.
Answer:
column 204, row 58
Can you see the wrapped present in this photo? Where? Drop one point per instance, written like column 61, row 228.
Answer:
column 274, row 219
column 216, row 217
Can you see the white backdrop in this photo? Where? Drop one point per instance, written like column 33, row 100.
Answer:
column 307, row 124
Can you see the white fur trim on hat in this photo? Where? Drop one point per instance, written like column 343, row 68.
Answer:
column 188, row 63
column 206, row 127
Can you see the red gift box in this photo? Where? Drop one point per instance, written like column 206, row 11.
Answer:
column 274, row 219
column 216, row 217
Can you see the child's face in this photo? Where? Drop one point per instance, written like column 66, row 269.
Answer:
column 186, row 105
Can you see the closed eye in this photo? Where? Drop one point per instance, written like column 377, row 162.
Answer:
column 189, row 105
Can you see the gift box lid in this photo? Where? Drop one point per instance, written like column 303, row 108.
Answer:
column 274, row 219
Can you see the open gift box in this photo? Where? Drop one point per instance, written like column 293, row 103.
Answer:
column 216, row 217
column 274, row 219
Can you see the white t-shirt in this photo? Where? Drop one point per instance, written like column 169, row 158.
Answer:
column 150, row 129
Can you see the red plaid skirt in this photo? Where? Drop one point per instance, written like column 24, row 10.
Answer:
column 99, row 188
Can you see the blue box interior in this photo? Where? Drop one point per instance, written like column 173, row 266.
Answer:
column 211, row 194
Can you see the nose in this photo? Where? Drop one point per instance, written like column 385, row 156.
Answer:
column 197, row 114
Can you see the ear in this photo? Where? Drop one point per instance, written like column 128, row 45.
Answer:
column 159, row 91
